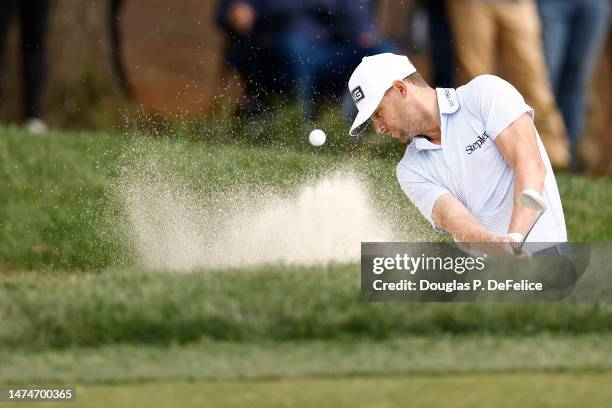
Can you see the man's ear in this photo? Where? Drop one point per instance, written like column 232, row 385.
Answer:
column 401, row 86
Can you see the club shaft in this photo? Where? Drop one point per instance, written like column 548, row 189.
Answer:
column 533, row 223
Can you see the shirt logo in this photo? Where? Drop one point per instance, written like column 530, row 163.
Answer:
column 451, row 103
column 477, row 144
column 357, row 94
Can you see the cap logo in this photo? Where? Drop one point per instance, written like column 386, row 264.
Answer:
column 357, row 94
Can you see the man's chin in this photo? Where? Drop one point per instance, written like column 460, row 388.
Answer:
column 404, row 139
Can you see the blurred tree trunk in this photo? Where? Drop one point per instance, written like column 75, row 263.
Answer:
column 81, row 89
column 172, row 54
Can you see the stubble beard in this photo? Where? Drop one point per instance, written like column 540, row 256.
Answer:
column 405, row 138
column 408, row 133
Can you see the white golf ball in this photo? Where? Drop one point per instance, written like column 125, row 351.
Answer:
column 316, row 137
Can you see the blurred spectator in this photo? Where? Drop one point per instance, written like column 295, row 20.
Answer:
column 297, row 48
column 441, row 43
column 33, row 16
column 114, row 16
column 480, row 29
column 573, row 32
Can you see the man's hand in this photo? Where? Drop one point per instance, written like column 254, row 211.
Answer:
column 504, row 245
column 242, row 17
column 513, row 240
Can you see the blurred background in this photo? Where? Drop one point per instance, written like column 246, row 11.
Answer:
column 168, row 236
column 104, row 63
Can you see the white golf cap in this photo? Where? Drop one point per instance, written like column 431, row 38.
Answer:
column 369, row 82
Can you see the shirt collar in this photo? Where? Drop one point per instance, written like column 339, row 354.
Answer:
column 447, row 100
column 421, row 143
column 448, row 103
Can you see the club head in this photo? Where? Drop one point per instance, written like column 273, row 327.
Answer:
column 531, row 199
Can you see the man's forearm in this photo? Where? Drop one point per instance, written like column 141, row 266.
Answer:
column 451, row 215
column 528, row 174
column 519, row 145
column 470, row 231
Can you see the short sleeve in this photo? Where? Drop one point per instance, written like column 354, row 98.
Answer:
column 496, row 102
column 420, row 190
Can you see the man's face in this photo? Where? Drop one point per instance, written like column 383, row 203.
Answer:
column 399, row 116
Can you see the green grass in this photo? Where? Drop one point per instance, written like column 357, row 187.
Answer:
column 60, row 213
column 58, row 204
column 537, row 390
column 507, row 390
column 214, row 360
column 42, row 310
column 59, row 210
column 588, row 217
column 76, row 307
column 53, row 201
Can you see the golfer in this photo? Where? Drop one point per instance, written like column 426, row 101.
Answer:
column 471, row 152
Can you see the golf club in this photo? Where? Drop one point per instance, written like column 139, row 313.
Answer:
column 531, row 199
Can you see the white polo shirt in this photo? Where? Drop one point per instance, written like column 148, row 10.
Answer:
column 469, row 165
